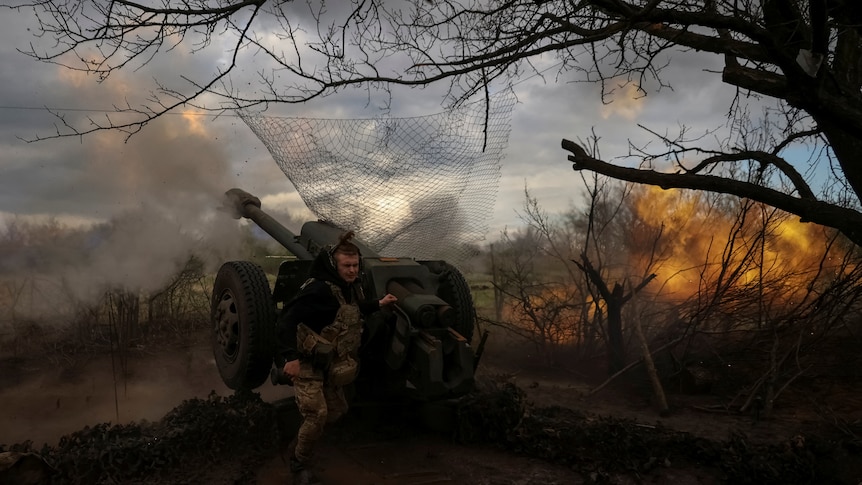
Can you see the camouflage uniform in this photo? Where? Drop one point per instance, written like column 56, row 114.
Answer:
column 320, row 392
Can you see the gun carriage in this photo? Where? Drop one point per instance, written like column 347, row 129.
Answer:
column 421, row 350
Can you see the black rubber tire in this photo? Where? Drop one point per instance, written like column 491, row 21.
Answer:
column 243, row 324
column 455, row 291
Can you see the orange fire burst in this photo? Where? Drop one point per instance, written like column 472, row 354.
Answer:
column 688, row 237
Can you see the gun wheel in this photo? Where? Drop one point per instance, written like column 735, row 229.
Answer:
column 454, row 290
column 243, row 323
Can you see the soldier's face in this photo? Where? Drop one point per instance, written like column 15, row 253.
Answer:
column 347, row 266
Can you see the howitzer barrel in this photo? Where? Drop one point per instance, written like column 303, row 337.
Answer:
column 243, row 204
column 317, row 235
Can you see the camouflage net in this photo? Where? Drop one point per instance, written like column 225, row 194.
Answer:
column 422, row 187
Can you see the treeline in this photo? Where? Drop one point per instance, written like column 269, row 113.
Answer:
column 707, row 292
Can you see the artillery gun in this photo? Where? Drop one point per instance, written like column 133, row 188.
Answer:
column 421, row 350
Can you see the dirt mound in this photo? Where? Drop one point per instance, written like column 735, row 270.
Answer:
column 236, row 433
column 604, row 448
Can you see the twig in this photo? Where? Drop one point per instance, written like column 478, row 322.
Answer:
column 630, row 365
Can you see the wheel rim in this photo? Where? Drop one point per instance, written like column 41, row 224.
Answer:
column 227, row 326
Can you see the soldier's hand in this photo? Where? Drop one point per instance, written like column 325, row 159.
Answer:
column 291, row 368
column 387, row 300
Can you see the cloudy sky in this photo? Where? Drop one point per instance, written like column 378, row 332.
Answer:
column 184, row 162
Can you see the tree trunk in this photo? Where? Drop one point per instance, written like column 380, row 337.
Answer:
column 616, row 348
column 847, row 149
column 847, row 74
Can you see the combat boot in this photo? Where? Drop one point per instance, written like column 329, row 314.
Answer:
column 291, row 449
column 305, row 477
column 302, row 474
column 301, row 471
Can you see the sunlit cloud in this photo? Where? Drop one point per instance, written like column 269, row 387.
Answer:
column 75, row 79
column 194, row 122
column 625, row 102
column 289, row 202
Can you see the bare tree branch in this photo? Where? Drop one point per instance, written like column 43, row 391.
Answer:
column 807, row 57
column 846, row 220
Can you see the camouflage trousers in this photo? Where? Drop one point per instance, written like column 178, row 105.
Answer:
column 319, row 403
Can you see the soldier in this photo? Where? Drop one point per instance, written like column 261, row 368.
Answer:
column 319, row 333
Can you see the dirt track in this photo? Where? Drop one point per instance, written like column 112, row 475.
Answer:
column 422, row 460
column 42, row 406
column 41, row 402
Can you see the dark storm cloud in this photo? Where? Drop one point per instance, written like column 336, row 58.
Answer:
column 167, row 164
column 173, row 160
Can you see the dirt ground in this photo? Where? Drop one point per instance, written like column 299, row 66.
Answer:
column 41, row 402
column 421, row 460
column 42, row 399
